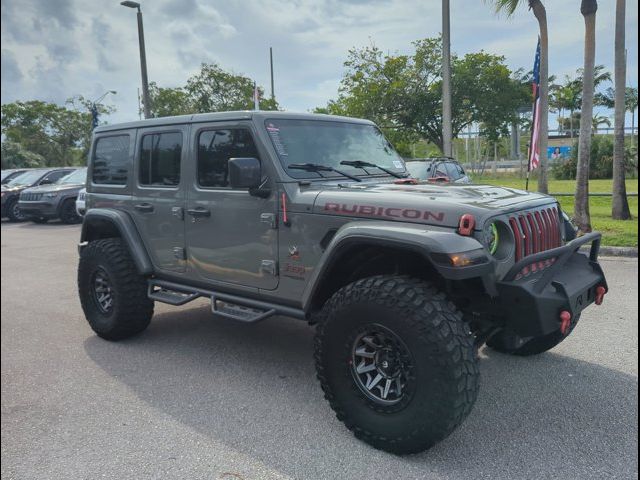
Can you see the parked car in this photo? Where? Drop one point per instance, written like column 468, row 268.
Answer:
column 10, row 174
column 310, row 216
column 47, row 202
column 437, row 170
column 80, row 202
column 11, row 190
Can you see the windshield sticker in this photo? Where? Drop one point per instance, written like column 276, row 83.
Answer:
column 397, row 163
column 274, row 133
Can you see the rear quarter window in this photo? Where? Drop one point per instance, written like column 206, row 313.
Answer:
column 111, row 162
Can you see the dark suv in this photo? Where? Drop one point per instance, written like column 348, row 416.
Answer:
column 315, row 217
column 30, row 178
column 46, row 202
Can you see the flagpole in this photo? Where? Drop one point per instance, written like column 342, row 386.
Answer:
column 526, row 187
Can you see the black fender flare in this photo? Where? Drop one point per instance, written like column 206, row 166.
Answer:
column 420, row 239
column 104, row 223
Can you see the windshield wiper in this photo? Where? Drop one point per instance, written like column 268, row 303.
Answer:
column 316, row 167
column 360, row 164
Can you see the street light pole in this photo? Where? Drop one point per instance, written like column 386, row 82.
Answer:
column 94, row 108
column 447, row 129
column 146, row 101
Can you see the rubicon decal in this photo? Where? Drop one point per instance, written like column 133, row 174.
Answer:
column 386, row 212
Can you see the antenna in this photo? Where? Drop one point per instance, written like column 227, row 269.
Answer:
column 273, row 95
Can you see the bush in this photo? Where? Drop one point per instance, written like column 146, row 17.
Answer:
column 600, row 162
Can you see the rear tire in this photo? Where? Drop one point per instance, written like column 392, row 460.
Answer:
column 112, row 293
column 386, row 326
column 68, row 212
column 504, row 342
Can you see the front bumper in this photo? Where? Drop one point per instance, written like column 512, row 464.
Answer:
column 39, row 209
column 537, row 289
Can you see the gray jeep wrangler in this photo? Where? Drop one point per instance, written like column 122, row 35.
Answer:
column 314, row 217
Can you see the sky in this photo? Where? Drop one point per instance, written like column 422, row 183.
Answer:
column 55, row 49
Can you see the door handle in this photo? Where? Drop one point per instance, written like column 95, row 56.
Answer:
column 199, row 212
column 144, row 207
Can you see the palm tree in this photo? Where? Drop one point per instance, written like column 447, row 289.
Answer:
column 537, row 7
column 588, row 9
column 598, row 120
column 620, row 204
column 631, row 105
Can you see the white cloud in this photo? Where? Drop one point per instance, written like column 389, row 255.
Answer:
column 53, row 49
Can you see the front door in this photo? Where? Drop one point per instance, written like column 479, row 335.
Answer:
column 158, row 199
column 231, row 234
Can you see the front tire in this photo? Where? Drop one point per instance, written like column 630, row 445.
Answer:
column 396, row 362
column 14, row 213
column 112, row 293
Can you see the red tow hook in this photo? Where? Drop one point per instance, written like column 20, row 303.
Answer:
column 565, row 322
column 600, row 292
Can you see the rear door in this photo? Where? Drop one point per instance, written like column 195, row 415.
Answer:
column 157, row 205
column 231, row 234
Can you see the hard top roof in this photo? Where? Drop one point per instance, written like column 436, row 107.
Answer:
column 258, row 115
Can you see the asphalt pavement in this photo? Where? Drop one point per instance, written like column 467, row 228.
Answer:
column 199, row 397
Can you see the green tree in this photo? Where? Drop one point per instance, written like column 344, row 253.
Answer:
column 167, row 102
column 620, row 205
column 588, row 9
column 59, row 134
column 403, row 93
column 15, row 155
column 212, row 89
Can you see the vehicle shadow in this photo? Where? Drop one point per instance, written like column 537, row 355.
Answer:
column 253, row 387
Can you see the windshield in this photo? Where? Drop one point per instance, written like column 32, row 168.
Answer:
column 27, row 178
column 329, row 143
column 79, row 177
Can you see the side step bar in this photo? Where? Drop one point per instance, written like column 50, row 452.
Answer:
column 222, row 304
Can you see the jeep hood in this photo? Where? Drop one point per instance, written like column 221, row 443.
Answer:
column 424, row 203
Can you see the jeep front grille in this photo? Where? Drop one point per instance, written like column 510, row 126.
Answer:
column 535, row 231
column 30, row 197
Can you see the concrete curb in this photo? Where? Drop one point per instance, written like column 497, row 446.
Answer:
column 605, row 251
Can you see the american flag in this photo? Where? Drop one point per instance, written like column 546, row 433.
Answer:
column 534, row 149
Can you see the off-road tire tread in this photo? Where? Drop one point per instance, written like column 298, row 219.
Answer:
column 436, row 321
column 133, row 310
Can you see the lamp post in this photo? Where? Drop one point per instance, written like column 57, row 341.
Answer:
column 94, row 108
column 447, row 133
column 143, row 58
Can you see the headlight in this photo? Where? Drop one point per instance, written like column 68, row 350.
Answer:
column 492, row 237
column 50, row 195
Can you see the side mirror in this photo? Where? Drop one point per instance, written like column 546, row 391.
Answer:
column 244, row 173
column 45, row 181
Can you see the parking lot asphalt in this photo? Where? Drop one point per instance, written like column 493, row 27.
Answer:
column 199, row 397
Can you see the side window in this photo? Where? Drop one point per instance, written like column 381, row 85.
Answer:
column 452, row 171
column 111, row 160
column 53, row 177
column 440, row 170
column 160, row 159
column 215, row 148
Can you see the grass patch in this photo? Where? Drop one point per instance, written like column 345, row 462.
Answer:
column 614, row 232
